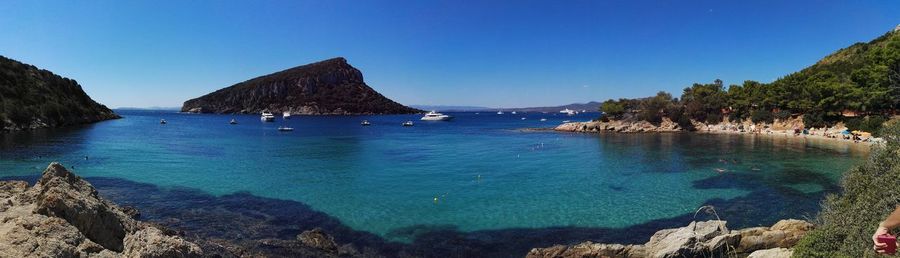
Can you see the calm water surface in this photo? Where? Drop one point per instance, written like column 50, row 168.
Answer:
column 484, row 172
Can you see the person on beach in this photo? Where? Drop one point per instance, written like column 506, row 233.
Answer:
column 885, row 227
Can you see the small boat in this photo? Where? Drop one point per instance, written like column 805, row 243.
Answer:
column 435, row 116
column 267, row 116
column 285, row 129
column 514, row 112
column 286, row 115
column 162, row 121
column 568, row 112
column 567, row 121
column 365, row 123
column 543, row 119
column 408, row 123
column 499, row 112
column 523, row 118
column 234, row 122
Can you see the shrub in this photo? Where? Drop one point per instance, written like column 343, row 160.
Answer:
column 848, row 220
column 713, row 118
column 814, row 120
column 761, row 116
column 783, row 114
column 872, row 124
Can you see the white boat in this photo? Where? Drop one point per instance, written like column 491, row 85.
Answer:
column 365, row 123
column 568, row 112
column 543, row 119
column 514, row 112
column 234, row 122
column 267, row 116
column 523, row 118
column 435, row 116
column 286, row 115
column 499, row 112
column 162, row 121
column 408, row 123
column 285, row 129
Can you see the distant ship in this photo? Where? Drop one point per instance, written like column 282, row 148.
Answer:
column 286, row 115
column 499, row 112
column 568, row 112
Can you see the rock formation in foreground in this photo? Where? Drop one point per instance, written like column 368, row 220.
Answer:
column 330, row 87
column 34, row 98
column 698, row 239
column 62, row 216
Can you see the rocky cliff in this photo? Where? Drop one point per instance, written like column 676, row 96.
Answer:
column 35, row 98
column 330, row 87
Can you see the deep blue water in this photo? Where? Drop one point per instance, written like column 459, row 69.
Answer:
column 488, row 177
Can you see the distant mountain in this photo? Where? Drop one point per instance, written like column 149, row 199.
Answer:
column 330, row 87
column 592, row 106
column 452, row 108
column 150, row 108
column 35, row 98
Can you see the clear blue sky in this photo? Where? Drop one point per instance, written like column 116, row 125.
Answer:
column 485, row 53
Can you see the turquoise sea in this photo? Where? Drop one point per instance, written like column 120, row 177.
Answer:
column 479, row 181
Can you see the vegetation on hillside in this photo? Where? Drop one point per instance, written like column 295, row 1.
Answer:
column 848, row 220
column 863, row 79
column 31, row 97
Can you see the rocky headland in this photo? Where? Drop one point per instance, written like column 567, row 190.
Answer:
column 698, row 239
column 32, row 98
column 329, row 87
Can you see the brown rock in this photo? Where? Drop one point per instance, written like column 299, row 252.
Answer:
column 317, row 238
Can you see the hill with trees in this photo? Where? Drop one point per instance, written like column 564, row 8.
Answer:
column 35, row 98
column 858, row 85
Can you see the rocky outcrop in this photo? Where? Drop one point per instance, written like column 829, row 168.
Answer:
column 330, row 87
column 33, row 98
column 620, row 126
column 62, row 216
column 698, row 239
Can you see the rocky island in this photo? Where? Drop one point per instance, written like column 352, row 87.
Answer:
column 33, row 98
column 329, row 87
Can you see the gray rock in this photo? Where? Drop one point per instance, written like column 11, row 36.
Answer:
column 62, row 216
column 772, row 253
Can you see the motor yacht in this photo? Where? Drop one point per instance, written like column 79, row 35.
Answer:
column 435, row 116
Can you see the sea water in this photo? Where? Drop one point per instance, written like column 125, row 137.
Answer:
column 478, row 172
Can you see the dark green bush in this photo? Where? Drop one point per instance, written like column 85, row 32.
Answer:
column 872, row 124
column 761, row 116
column 814, row 120
column 783, row 114
column 847, row 220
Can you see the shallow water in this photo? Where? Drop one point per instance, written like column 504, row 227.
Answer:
column 485, row 173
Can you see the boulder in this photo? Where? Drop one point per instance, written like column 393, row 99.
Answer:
column 772, row 253
column 687, row 241
column 63, row 216
column 785, row 234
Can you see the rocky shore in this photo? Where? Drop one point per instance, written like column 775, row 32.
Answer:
column 62, row 215
column 698, row 239
column 778, row 128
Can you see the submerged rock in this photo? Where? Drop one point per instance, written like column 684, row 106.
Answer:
column 316, row 238
column 62, row 216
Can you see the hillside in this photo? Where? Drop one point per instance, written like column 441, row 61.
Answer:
column 858, row 85
column 330, row 87
column 35, row 98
